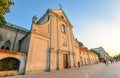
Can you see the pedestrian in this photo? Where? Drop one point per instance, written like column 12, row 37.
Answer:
column 78, row 64
column 104, row 61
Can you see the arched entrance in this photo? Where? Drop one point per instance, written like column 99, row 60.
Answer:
column 9, row 64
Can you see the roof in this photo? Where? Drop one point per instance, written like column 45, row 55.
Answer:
column 16, row 27
column 11, row 52
column 54, row 10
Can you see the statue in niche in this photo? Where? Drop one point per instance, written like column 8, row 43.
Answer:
column 64, row 42
column 34, row 19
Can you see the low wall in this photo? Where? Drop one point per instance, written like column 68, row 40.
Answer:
column 8, row 73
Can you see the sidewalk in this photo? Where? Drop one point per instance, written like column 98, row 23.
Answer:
column 89, row 71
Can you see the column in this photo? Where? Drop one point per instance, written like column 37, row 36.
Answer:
column 68, row 58
column 48, row 60
column 57, row 59
column 22, row 64
column 73, row 59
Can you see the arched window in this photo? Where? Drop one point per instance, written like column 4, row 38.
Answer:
column 63, row 28
column 7, row 45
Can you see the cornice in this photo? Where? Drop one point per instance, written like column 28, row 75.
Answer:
column 41, row 33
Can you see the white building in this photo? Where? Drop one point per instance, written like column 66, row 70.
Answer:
column 102, row 53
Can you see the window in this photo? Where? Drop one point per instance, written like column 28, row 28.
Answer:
column 63, row 28
column 7, row 45
column 62, row 17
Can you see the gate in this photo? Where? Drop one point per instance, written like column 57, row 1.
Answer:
column 65, row 63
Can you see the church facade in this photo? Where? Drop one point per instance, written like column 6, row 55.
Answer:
column 49, row 45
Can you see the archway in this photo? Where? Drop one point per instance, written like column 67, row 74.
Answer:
column 2, row 47
column 9, row 64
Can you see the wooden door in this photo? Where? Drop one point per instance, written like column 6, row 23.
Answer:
column 65, row 61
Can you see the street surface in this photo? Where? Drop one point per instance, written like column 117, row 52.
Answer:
column 89, row 71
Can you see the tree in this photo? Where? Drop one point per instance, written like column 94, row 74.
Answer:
column 80, row 44
column 4, row 8
column 118, row 56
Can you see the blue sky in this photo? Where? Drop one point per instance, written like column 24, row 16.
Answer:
column 96, row 22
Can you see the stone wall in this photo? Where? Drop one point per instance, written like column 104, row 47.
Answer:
column 8, row 73
column 13, row 35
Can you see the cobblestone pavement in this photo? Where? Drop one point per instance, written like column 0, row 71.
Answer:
column 89, row 71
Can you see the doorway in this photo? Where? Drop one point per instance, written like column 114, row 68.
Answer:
column 65, row 61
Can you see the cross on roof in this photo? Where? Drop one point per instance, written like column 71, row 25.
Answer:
column 60, row 6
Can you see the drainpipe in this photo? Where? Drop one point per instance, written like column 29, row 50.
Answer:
column 15, row 40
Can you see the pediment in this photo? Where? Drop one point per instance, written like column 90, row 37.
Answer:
column 61, row 15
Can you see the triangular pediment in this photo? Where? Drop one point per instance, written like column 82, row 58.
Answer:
column 59, row 13
column 62, row 15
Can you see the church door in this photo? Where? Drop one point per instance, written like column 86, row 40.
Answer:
column 65, row 64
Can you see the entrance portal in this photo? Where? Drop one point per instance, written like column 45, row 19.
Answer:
column 65, row 62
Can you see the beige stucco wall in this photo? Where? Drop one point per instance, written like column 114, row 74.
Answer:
column 53, row 61
column 7, row 55
column 37, row 52
column 8, row 73
column 47, row 34
column 88, row 57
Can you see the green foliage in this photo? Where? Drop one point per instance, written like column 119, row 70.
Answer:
column 118, row 56
column 4, row 8
column 9, row 64
column 80, row 44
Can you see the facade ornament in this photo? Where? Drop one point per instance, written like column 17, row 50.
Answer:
column 34, row 19
column 60, row 6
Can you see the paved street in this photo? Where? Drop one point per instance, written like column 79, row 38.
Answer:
column 88, row 71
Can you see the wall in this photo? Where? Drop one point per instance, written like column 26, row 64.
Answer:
column 25, row 43
column 37, row 51
column 8, row 73
column 10, row 34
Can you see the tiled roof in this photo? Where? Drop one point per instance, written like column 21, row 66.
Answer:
column 83, row 49
column 10, row 52
column 86, row 50
column 16, row 27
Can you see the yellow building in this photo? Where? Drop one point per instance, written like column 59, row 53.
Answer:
column 88, row 57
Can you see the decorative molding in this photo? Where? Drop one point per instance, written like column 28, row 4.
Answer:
column 60, row 18
column 42, row 33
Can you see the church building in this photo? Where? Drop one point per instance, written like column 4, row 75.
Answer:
column 49, row 45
